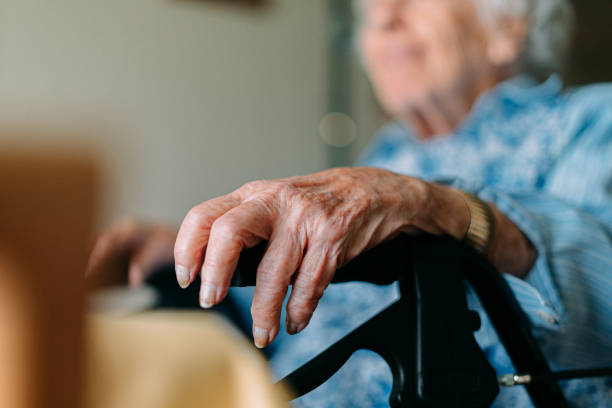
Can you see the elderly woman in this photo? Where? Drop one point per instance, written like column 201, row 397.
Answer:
column 472, row 129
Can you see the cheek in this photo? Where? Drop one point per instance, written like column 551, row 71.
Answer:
column 395, row 81
column 445, row 59
column 457, row 46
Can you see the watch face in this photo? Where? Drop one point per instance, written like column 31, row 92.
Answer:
column 481, row 223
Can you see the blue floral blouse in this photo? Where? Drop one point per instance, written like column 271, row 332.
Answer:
column 544, row 157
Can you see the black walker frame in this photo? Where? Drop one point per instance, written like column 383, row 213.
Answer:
column 426, row 336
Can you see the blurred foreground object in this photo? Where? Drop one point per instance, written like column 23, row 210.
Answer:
column 46, row 214
column 174, row 359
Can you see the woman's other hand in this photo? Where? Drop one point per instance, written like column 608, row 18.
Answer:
column 131, row 251
column 313, row 225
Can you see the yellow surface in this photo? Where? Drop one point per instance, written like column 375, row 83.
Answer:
column 16, row 338
column 174, row 359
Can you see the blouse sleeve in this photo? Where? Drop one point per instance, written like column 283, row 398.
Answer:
column 569, row 221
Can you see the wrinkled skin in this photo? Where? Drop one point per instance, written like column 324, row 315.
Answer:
column 313, row 224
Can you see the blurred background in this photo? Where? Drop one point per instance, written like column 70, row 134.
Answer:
column 149, row 107
column 185, row 100
column 180, row 100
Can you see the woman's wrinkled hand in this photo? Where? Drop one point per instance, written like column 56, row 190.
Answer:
column 129, row 250
column 313, row 225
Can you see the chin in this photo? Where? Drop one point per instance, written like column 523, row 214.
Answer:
column 403, row 99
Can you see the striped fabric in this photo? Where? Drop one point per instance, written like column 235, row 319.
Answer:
column 544, row 157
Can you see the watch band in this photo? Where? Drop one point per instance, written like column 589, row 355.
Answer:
column 482, row 223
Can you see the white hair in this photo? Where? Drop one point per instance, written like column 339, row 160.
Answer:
column 550, row 29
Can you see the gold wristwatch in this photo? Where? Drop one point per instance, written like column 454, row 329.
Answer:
column 482, row 223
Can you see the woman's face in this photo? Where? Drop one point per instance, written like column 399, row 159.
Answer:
column 415, row 50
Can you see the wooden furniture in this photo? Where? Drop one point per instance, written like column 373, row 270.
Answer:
column 46, row 213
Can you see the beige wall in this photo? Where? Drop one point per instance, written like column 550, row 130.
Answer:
column 183, row 100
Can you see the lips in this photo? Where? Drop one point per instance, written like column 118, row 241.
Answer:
column 404, row 52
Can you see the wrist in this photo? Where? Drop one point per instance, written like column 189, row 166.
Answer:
column 510, row 250
column 453, row 214
column 441, row 210
column 438, row 210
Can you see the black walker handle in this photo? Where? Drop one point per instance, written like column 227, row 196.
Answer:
column 426, row 337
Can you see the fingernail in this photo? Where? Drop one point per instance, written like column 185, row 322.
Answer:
column 261, row 337
column 208, row 295
column 294, row 328
column 182, row 276
column 291, row 328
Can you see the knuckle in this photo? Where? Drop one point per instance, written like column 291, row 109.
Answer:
column 263, row 311
column 266, row 191
column 274, row 280
column 309, row 271
column 313, row 277
column 274, row 192
column 258, row 309
column 204, row 214
column 252, row 187
column 249, row 186
column 269, row 296
column 226, row 226
column 197, row 215
column 307, row 295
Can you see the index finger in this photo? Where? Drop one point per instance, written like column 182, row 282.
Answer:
column 193, row 235
column 241, row 227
